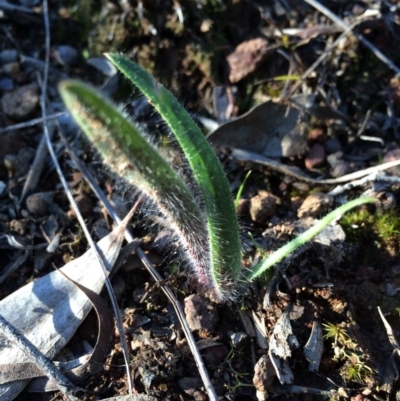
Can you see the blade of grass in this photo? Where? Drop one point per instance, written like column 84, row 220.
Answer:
column 303, row 238
column 241, row 188
column 224, row 242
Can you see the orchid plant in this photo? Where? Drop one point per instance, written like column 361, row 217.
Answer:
column 207, row 228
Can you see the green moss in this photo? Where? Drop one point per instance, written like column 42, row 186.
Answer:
column 386, row 225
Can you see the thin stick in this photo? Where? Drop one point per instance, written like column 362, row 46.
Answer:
column 44, row 363
column 322, row 9
column 110, row 290
column 317, row 62
column 32, row 122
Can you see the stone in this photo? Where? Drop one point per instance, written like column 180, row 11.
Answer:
column 315, row 204
column 263, row 205
column 200, row 314
column 315, row 157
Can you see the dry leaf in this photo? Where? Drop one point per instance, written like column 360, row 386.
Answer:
column 314, row 347
column 269, row 130
column 49, row 310
column 247, row 57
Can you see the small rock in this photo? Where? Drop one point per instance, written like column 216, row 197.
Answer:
column 331, row 234
column 66, row 55
column 8, row 56
column 38, row 204
column 85, row 205
column 242, row 209
column 11, row 69
column 315, row 157
column 21, row 103
column 102, row 64
column 315, row 204
column 391, row 156
column 200, row 396
column 19, row 226
column 316, row 135
column 339, row 167
column 200, row 314
column 264, row 374
column 263, row 206
column 246, row 57
column 215, row 355
column 190, row 384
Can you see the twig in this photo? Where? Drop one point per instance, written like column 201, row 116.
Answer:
column 154, row 273
column 4, row 5
column 374, row 177
column 317, row 62
column 32, row 122
column 44, row 363
column 322, row 9
column 244, row 155
column 37, row 166
column 110, row 290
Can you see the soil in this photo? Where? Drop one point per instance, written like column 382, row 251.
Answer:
column 220, row 58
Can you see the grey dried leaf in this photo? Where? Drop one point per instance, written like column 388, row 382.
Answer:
column 49, row 311
column 314, row 347
column 282, row 339
column 269, row 129
column 282, row 369
column 281, row 342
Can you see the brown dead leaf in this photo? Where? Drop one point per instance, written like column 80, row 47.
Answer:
column 247, row 57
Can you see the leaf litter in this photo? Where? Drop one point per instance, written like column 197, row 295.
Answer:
column 49, row 310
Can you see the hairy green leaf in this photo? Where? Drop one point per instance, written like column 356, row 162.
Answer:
column 224, row 242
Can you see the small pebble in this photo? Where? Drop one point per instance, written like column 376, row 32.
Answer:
column 200, row 314
column 264, row 374
column 85, row 205
column 11, row 69
column 315, row 204
column 66, row 55
column 38, row 204
column 391, row 156
column 21, row 103
column 316, row 135
column 263, row 206
column 190, row 384
column 200, row 396
column 315, row 157
column 8, row 56
column 19, row 226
